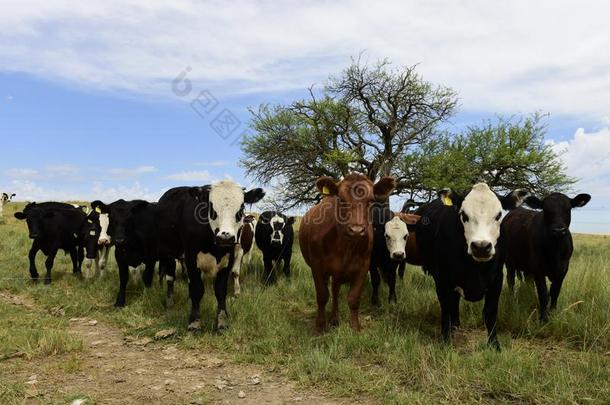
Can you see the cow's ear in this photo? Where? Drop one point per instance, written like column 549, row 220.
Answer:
column 20, row 216
column 13, row 195
column 138, row 206
column 253, row 196
column 514, row 199
column 327, row 186
column 99, row 207
column 383, row 188
column 450, row 198
column 533, row 202
column 290, row 220
column 580, row 200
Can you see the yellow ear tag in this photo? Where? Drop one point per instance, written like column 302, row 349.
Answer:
column 325, row 190
column 98, row 210
column 447, row 201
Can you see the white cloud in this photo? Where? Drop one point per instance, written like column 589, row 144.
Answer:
column 214, row 163
column 587, row 157
column 22, row 173
column 504, row 57
column 202, row 176
column 130, row 172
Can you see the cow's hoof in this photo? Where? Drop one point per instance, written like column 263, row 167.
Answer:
column 170, row 302
column 495, row 345
column 119, row 304
column 47, row 281
column 222, row 321
column 195, row 326
column 334, row 322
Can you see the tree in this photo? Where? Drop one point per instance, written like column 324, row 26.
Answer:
column 507, row 154
column 365, row 120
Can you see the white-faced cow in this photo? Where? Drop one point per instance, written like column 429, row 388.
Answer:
column 336, row 238
column 243, row 250
column 5, row 198
column 104, row 244
column 539, row 243
column 53, row 226
column 131, row 225
column 460, row 246
column 274, row 237
column 202, row 223
column 390, row 233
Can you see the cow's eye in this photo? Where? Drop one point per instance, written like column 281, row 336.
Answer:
column 405, row 238
column 464, row 216
column 387, row 236
column 498, row 216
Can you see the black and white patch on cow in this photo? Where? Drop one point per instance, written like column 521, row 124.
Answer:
column 243, row 250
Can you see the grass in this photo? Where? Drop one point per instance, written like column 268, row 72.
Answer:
column 396, row 358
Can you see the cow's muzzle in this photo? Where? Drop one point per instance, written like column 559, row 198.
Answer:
column 225, row 239
column 481, row 250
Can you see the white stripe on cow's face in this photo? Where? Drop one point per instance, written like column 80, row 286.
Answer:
column 227, row 201
column 396, row 234
column 104, row 238
column 481, row 214
column 277, row 230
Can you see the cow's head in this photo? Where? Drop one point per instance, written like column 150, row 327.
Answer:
column 34, row 216
column 481, row 213
column 277, row 223
column 225, row 209
column 356, row 194
column 104, row 239
column 6, row 197
column 90, row 233
column 557, row 210
column 120, row 215
column 396, row 234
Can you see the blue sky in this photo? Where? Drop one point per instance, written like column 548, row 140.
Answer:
column 88, row 108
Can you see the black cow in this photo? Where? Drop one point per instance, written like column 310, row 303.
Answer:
column 132, row 229
column 274, row 236
column 458, row 240
column 202, row 224
column 539, row 243
column 53, row 226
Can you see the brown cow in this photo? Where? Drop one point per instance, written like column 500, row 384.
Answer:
column 243, row 250
column 336, row 239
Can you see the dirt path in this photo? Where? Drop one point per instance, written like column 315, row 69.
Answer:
column 114, row 369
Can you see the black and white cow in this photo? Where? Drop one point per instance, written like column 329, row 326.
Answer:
column 104, row 243
column 460, row 246
column 5, row 198
column 243, row 250
column 539, row 243
column 274, row 236
column 53, row 226
column 131, row 225
column 202, row 224
column 390, row 235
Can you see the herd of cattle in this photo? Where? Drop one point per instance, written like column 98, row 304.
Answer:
column 463, row 242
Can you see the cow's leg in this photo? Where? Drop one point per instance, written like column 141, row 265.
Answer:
column 375, row 281
column 490, row 311
column 555, row 290
column 321, row 284
column 391, row 280
column 221, row 284
column 269, row 271
column 455, row 311
column 96, row 264
column 104, row 259
column 236, row 270
column 74, row 258
column 287, row 257
column 149, row 272
column 196, row 290
column 444, row 299
column 80, row 259
column 123, row 280
column 543, row 297
column 32, row 257
column 49, row 265
column 169, row 269
column 401, row 269
column 334, row 312
column 353, row 300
